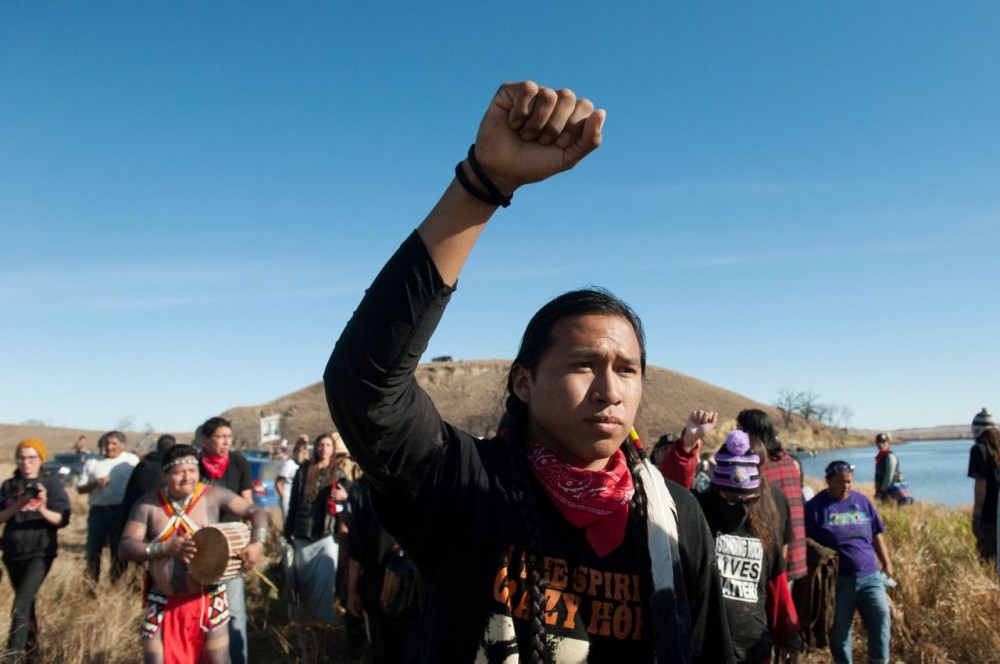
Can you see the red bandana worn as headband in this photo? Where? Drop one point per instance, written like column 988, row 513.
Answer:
column 596, row 500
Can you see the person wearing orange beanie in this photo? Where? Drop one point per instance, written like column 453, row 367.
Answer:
column 33, row 506
column 35, row 444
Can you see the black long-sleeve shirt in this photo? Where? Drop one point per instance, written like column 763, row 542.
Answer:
column 445, row 496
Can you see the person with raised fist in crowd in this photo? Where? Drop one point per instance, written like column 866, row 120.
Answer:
column 556, row 540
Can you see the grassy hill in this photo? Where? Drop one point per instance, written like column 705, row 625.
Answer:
column 469, row 394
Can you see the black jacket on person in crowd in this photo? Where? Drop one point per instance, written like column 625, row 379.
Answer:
column 306, row 520
column 237, row 479
column 28, row 535
column 445, row 495
column 145, row 478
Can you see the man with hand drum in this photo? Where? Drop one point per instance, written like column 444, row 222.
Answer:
column 184, row 620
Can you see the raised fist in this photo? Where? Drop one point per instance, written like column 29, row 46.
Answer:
column 530, row 133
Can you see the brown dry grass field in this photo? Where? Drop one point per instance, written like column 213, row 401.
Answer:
column 944, row 609
column 84, row 623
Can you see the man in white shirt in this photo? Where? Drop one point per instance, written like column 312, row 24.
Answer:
column 287, row 470
column 105, row 479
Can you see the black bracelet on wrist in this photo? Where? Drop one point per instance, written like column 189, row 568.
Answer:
column 464, row 181
column 492, row 195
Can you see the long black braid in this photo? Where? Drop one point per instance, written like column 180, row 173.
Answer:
column 538, row 336
column 531, row 550
column 529, row 532
column 528, row 552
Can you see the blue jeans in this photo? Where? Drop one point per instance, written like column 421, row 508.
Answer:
column 867, row 594
column 237, row 620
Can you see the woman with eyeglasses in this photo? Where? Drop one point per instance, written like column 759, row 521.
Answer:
column 744, row 519
column 34, row 506
column 847, row 522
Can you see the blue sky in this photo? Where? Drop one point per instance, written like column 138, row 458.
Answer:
column 193, row 196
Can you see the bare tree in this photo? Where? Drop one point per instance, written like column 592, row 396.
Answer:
column 788, row 403
column 809, row 405
column 842, row 416
column 824, row 412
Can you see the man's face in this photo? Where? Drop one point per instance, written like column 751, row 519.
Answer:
column 112, row 447
column 219, row 442
column 586, row 390
column 181, row 480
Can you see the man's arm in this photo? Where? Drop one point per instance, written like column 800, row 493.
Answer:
column 279, row 487
column 680, row 463
column 87, row 483
column 246, row 509
column 245, row 478
column 133, row 544
column 527, row 134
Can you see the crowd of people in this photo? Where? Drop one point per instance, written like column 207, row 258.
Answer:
column 556, row 540
column 148, row 510
column 752, row 502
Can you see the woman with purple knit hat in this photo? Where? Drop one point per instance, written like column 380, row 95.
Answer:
column 748, row 550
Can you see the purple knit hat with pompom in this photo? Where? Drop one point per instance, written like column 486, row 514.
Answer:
column 737, row 469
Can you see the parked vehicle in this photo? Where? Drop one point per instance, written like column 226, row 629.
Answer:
column 67, row 466
column 264, row 472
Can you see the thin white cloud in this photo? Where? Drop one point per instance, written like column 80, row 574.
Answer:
column 743, row 186
column 160, row 287
column 151, row 303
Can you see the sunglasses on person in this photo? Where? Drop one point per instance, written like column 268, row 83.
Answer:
column 838, row 468
column 739, row 498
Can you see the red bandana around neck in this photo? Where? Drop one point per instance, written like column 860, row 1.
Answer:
column 596, row 500
column 882, row 454
column 214, row 464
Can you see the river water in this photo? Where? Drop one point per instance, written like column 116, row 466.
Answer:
column 934, row 469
